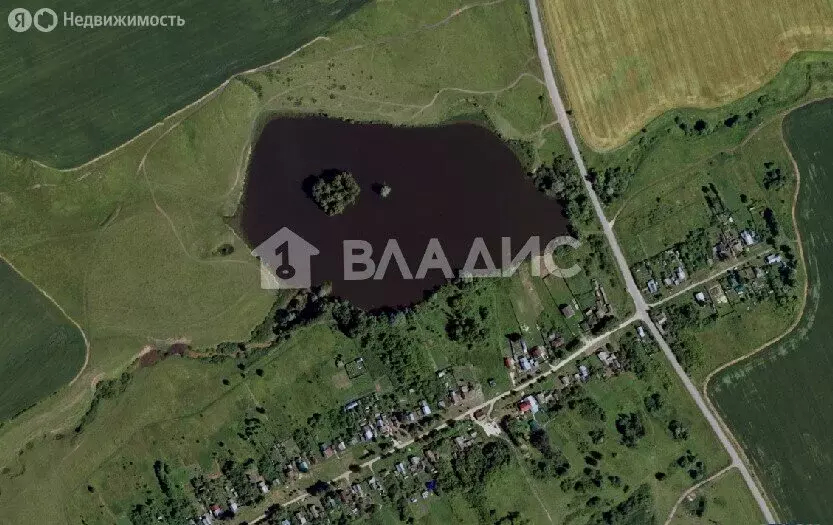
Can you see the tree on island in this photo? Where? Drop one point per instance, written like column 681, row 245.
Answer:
column 334, row 191
column 382, row 189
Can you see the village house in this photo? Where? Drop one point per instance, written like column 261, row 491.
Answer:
column 556, row 340
column 528, row 404
column 773, row 258
column 680, row 275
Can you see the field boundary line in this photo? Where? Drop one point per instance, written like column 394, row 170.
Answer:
column 804, row 295
column 218, row 89
column 694, row 487
column 205, row 98
column 63, row 312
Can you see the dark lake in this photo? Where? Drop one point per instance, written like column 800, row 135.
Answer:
column 455, row 182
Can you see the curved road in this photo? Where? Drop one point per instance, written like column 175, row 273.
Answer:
column 633, row 289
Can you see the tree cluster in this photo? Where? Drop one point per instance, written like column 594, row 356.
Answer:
column 333, row 192
column 630, row 428
column 561, row 181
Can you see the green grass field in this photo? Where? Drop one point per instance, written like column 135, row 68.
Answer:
column 132, row 244
column 41, row 349
column 778, row 403
column 727, row 502
column 118, row 81
column 543, row 500
column 623, row 64
column 660, row 212
column 132, row 237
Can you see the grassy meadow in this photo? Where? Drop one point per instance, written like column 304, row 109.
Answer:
column 726, row 501
column 661, row 175
column 118, row 81
column 41, row 350
column 624, row 469
column 625, row 63
column 133, row 238
column 193, row 415
column 779, row 403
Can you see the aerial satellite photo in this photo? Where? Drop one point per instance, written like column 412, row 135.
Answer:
column 501, row 262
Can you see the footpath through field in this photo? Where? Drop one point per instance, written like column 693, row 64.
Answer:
column 633, row 290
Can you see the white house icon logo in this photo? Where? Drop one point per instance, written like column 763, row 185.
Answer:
column 285, row 261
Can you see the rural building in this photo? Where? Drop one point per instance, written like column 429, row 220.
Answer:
column 556, row 340
column 748, row 237
column 653, row 287
column 640, row 331
column 773, row 258
column 567, row 311
column 700, row 297
column 528, row 404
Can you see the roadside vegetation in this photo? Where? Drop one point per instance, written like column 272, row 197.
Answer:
column 721, row 501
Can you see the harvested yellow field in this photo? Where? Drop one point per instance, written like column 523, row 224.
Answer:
column 625, row 62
